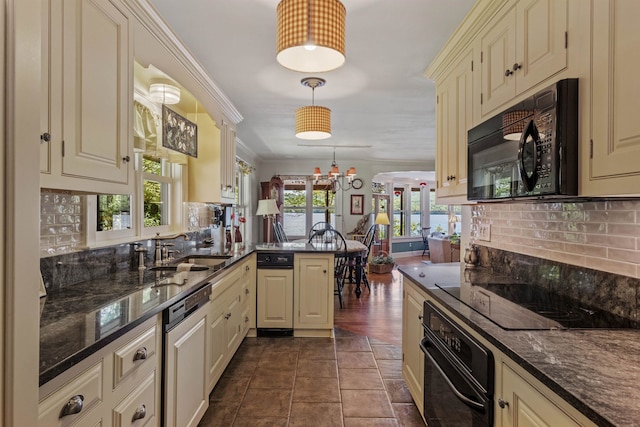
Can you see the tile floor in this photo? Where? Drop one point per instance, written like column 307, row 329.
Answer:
column 352, row 380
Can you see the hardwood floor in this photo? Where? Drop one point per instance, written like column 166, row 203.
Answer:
column 376, row 314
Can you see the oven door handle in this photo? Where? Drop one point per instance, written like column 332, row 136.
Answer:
column 424, row 343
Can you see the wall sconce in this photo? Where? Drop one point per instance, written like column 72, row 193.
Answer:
column 311, row 35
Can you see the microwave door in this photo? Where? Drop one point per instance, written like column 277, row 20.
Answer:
column 495, row 171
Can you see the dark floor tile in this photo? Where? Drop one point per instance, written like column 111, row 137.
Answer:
column 370, row 422
column 278, row 360
column 219, row 414
column 265, row 403
column 407, row 415
column 317, row 368
column 390, row 368
column 318, row 350
column 360, row 379
column 230, row 389
column 281, row 343
column 241, row 367
column 376, row 341
column 258, row 421
column 265, row 377
column 304, row 414
column 357, row 343
column 366, row 404
column 398, row 391
column 386, row 352
column 316, row 390
column 353, row 359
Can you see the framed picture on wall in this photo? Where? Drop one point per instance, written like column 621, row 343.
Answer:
column 178, row 133
column 357, row 204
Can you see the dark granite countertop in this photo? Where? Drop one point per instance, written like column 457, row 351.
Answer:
column 78, row 320
column 595, row 370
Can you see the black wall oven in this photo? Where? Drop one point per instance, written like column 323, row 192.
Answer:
column 458, row 374
column 529, row 150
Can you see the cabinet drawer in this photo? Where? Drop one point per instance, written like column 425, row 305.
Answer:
column 133, row 354
column 73, row 402
column 139, row 407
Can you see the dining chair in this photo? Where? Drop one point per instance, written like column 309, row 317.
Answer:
column 278, row 233
column 319, row 227
column 425, row 240
column 333, row 239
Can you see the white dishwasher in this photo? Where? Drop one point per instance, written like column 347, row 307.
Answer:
column 274, row 308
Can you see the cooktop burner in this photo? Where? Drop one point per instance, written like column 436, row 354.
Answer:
column 522, row 306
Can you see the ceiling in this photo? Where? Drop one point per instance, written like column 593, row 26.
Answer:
column 383, row 108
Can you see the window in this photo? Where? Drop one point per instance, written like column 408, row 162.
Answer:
column 305, row 203
column 406, row 211
column 440, row 214
column 114, row 212
column 156, row 180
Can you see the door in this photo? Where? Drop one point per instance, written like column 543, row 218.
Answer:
column 186, row 396
column 275, row 298
column 314, row 292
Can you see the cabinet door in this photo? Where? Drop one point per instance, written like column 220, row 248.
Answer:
column 528, row 407
column 455, row 118
column 234, row 323
column 216, row 344
column 412, row 333
column 275, row 299
column 498, row 56
column 541, row 43
column 314, row 292
column 186, row 395
column 96, row 80
column 248, row 293
column 615, row 156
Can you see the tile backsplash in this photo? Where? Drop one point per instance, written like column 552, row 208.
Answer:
column 61, row 222
column 602, row 235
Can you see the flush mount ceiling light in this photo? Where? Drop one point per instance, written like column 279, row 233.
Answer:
column 164, row 93
column 312, row 121
column 310, row 35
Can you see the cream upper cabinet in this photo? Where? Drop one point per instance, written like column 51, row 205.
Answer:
column 613, row 162
column 212, row 173
column 88, row 57
column 412, row 333
column 522, row 48
column 454, row 110
column 313, row 291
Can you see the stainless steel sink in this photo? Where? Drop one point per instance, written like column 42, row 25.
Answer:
column 170, row 268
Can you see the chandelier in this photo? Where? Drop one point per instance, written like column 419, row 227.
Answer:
column 310, row 35
column 334, row 173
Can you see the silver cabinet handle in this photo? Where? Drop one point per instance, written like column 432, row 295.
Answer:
column 141, row 354
column 502, row 403
column 73, row 406
column 140, row 413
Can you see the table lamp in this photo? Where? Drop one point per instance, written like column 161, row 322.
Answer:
column 268, row 208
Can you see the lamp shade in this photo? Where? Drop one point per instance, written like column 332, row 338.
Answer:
column 454, row 219
column 313, row 122
column 382, row 219
column 311, row 35
column 267, row 207
column 164, row 93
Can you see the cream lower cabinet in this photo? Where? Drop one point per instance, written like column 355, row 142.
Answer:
column 88, row 83
column 230, row 317
column 613, row 160
column 523, row 405
column 274, row 292
column 119, row 385
column 186, row 397
column 412, row 333
column 313, row 289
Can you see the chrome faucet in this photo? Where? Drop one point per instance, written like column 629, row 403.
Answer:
column 160, row 247
column 140, row 251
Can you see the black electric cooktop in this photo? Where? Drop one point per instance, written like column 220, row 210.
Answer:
column 531, row 307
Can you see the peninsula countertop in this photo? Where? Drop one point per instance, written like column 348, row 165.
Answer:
column 595, row 370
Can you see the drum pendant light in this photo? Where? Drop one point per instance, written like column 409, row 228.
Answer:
column 312, row 121
column 311, row 35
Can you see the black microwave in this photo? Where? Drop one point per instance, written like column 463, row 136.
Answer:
column 528, row 151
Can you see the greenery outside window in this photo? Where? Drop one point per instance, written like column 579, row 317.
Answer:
column 306, row 203
column 406, row 212
column 114, row 212
column 156, row 181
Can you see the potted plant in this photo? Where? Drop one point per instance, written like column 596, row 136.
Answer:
column 382, row 263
